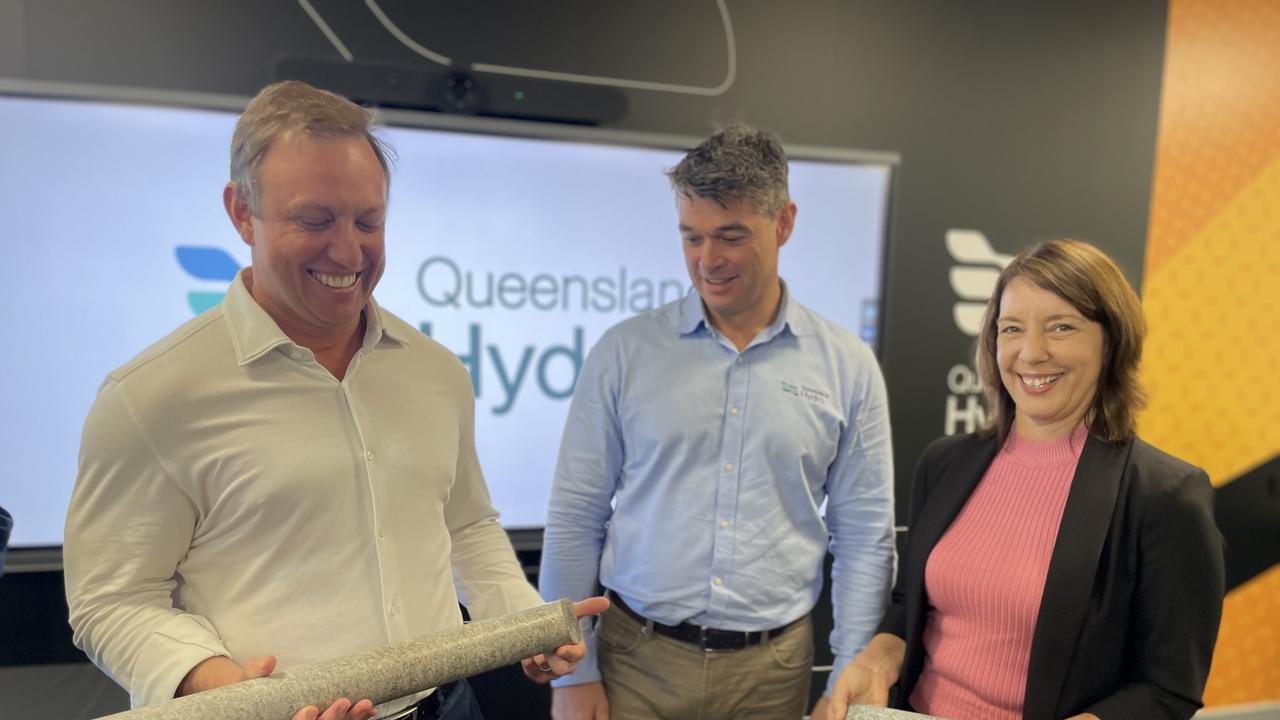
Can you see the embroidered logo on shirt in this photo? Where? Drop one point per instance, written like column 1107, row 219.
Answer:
column 805, row 393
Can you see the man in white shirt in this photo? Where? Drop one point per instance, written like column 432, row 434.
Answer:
column 291, row 476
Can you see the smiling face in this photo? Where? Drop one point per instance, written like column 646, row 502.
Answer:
column 1050, row 359
column 732, row 257
column 317, row 242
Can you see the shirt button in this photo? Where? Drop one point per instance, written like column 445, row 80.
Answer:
column 733, row 411
column 394, row 609
column 728, row 467
column 724, row 523
column 717, row 581
column 368, row 455
column 739, row 359
column 382, row 532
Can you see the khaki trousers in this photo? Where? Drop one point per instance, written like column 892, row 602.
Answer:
column 653, row 676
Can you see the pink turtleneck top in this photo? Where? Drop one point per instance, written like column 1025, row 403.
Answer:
column 985, row 578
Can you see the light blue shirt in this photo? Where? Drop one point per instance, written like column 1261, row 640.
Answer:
column 692, row 476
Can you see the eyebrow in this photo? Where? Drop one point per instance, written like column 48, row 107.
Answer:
column 313, row 207
column 1051, row 318
column 731, row 227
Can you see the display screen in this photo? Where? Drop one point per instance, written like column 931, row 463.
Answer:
column 515, row 252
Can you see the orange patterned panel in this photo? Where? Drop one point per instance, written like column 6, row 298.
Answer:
column 1214, row 317
column 1212, row 287
column 1246, row 664
column 1219, row 115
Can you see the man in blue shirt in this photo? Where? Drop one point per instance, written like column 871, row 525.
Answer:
column 701, row 443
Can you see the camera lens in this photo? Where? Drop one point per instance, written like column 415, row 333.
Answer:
column 460, row 92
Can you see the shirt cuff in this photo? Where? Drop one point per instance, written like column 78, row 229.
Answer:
column 183, row 642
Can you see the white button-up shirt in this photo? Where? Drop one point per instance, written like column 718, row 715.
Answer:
column 234, row 498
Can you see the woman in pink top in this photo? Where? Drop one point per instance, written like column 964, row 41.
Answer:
column 1056, row 566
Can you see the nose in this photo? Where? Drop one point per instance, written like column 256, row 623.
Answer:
column 1034, row 347
column 344, row 247
column 709, row 256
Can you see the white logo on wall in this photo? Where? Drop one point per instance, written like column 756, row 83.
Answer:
column 973, row 278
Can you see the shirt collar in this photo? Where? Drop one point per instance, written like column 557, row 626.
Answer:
column 254, row 333
column 693, row 315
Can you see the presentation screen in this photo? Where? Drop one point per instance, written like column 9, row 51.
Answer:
column 514, row 251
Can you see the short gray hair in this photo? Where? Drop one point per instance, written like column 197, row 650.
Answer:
column 293, row 106
column 737, row 163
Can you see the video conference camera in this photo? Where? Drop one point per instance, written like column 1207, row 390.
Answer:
column 459, row 91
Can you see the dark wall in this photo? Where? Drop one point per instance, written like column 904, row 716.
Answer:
column 1023, row 121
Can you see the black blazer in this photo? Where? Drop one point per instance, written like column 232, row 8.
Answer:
column 1134, row 591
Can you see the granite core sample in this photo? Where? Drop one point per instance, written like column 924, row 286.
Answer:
column 382, row 674
column 868, row 712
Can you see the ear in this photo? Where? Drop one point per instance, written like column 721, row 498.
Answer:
column 786, row 223
column 238, row 211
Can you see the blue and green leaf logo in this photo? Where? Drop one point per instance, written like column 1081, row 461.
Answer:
column 206, row 263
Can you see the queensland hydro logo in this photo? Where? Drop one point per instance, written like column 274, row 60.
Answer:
column 973, row 278
column 551, row 370
column 209, row 264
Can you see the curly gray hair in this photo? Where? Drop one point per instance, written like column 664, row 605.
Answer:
column 738, row 163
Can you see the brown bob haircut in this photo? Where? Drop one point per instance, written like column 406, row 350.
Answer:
column 1092, row 283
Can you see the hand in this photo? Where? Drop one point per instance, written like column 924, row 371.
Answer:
column 341, row 709
column 543, row 668
column 1084, row 716
column 868, row 678
column 857, row 684
column 580, row 702
column 218, row 671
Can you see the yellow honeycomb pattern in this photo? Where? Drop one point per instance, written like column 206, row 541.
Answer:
column 1214, row 316
column 1219, row 114
column 1212, row 287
